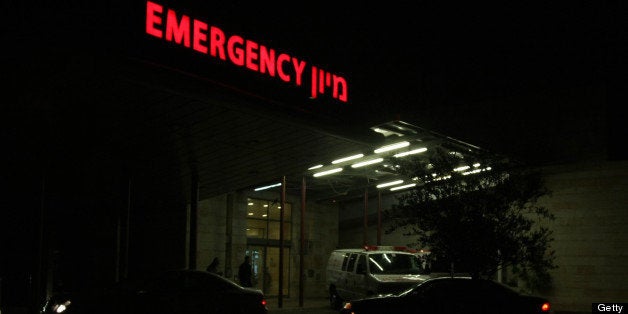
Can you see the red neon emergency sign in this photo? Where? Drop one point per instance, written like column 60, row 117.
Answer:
column 167, row 24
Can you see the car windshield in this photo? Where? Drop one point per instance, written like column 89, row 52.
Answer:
column 394, row 263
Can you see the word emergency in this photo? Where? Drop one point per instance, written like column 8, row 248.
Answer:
column 167, row 24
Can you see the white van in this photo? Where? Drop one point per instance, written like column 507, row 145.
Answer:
column 372, row 270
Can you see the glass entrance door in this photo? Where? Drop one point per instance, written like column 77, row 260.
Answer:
column 265, row 262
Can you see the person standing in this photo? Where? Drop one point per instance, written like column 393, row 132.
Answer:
column 213, row 267
column 245, row 272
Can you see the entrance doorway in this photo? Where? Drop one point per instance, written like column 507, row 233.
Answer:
column 265, row 262
column 263, row 232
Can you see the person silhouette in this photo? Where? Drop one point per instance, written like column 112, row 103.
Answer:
column 245, row 273
column 213, row 267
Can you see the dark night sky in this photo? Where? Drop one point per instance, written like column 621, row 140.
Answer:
column 510, row 77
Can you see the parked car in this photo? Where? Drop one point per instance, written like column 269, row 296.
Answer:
column 452, row 295
column 172, row 292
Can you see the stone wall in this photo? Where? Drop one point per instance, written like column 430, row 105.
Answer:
column 590, row 202
column 212, row 228
column 321, row 232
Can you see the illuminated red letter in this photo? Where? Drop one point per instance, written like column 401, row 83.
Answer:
column 234, row 50
column 267, row 60
column 321, row 81
column 298, row 68
column 180, row 32
column 339, row 80
column 251, row 55
column 313, row 89
column 200, row 36
column 280, row 61
column 217, row 42
column 153, row 19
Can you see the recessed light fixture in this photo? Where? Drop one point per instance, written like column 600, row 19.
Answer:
column 267, row 187
column 478, row 170
column 411, row 152
column 383, row 185
column 392, row 147
column 337, row 161
column 326, row 172
column 386, row 132
column 367, row 162
column 403, row 187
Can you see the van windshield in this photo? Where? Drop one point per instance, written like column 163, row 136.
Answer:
column 393, row 263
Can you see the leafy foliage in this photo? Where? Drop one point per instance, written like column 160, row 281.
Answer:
column 479, row 222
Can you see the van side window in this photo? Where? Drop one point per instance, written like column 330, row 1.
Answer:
column 352, row 259
column 344, row 261
column 361, row 268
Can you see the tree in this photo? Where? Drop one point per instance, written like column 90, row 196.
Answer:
column 480, row 221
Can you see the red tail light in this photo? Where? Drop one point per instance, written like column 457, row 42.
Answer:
column 545, row 307
column 263, row 302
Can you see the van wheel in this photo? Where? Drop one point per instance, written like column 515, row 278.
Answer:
column 335, row 301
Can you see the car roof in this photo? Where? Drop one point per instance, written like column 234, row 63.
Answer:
column 453, row 278
column 373, row 251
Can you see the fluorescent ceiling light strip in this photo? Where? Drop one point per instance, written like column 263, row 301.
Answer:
column 337, row 161
column 386, row 132
column 392, row 147
column 463, row 168
column 267, row 187
column 315, row 167
column 471, row 172
column 476, row 171
column 324, row 173
column 403, row 187
column 367, row 162
column 442, row 178
column 411, row 152
column 383, row 185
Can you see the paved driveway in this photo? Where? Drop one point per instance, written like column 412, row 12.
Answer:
column 310, row 306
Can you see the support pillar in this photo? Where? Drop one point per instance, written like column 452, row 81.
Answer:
column 302, row 246
column 366, row 219
column 281, row 237
column 379, row 218
column 193, row 222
